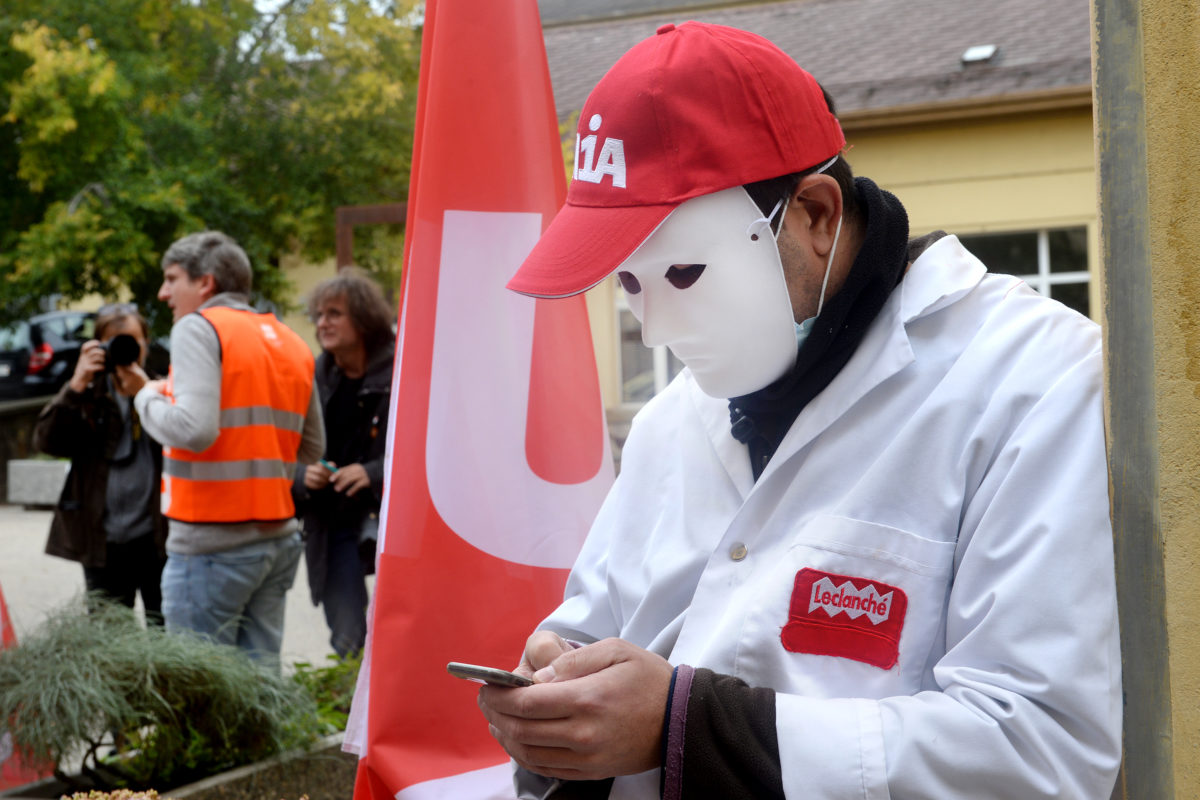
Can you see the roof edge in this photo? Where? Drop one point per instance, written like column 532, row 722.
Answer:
column 1055, row 99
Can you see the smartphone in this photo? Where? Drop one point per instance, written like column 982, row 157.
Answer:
column 488, row 675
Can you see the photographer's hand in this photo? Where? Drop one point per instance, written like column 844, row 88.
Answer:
column 91, row 361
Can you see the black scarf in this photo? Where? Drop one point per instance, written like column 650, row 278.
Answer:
column 761, row 419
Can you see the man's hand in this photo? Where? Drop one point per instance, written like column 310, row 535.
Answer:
column 130, row 379
column 157, row 387
column 350, row 479
column 595, row 712
column 540, row 650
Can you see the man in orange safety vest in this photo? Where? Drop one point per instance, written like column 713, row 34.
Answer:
column 235, row 415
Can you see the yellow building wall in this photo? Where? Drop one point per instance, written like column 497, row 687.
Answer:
column 303, row 277
column 1172, row 95
column 1005, row 173
column 999, row 173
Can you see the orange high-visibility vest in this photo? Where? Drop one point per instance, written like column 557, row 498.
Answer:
column 266, row 384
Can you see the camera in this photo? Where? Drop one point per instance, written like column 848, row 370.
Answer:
column 120, row 351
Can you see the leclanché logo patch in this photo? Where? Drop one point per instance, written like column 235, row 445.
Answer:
column 836, row 615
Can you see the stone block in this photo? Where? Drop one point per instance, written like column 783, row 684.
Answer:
column 36, row 481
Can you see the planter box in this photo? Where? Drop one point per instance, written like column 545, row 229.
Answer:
column 323, row 772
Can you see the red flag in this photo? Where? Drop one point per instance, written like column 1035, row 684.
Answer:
column 498, row 451
column 8, row 636
column 12, row 771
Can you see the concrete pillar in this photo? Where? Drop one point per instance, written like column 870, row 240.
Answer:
column 1147, row 59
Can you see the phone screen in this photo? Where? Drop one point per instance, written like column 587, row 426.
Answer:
column 488, row 675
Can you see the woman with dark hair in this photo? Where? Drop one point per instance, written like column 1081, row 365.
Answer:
column 338, row 499
column 108, row 516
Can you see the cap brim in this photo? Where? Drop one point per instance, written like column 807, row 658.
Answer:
column 583, row 245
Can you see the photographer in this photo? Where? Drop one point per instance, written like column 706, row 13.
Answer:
column 108, row 516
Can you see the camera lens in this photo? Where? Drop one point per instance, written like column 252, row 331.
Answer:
column 121, row 351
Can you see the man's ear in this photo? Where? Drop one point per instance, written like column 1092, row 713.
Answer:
column 208, row 285
column 816, row 204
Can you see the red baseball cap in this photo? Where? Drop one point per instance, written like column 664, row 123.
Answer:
column 692, row 110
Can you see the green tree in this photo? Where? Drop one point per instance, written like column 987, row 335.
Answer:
column 126, row 124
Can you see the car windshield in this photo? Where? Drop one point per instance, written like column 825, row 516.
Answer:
column 15, row 336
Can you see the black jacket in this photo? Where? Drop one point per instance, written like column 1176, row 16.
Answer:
column 322, row 509
column 86, row 427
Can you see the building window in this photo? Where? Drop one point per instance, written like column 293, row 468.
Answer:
column 644, row 371
column 1054, row 262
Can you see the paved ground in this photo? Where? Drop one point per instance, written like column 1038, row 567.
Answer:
column 34, row 583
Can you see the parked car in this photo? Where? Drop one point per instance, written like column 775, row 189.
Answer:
column 38, row 355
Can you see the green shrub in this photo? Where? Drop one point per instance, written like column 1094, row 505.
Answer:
column 331, row 688
column 167, row 708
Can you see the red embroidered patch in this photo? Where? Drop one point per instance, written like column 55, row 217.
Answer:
column 835, row 615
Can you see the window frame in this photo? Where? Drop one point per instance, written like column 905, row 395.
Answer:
column 1044, row 278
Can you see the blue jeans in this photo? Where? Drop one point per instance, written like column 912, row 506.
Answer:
column 234, row 597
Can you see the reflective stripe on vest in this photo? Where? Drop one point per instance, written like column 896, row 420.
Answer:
column 266, row 385
column 228, row 470
column 262, row 415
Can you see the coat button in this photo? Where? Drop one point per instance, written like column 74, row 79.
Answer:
column 738, row 552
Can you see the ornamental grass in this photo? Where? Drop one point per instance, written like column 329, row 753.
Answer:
column 135, row 707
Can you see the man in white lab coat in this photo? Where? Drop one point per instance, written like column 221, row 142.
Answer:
column 860, row 547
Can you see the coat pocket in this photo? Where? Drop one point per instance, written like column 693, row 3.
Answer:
column 852, row 608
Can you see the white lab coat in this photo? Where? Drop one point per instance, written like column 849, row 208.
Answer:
column 958, row 457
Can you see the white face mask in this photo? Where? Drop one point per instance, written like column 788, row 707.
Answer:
column 709, row 285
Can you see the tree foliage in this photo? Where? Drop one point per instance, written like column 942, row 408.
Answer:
column 126, row 124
